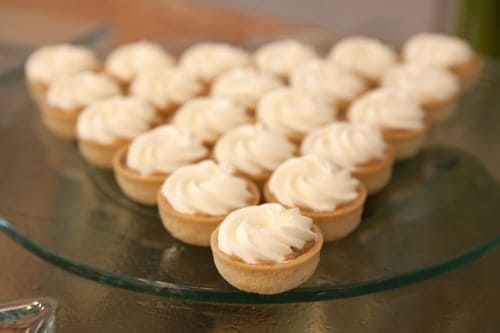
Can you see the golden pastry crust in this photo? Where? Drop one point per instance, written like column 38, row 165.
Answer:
column 100, row 155
column 376, row 174
column 335, row 224
column 139, row 188
column 407, row 143
column 194, row 229
column 267, row 278
column 37, row 90
column 60, row 123
column 469, row 71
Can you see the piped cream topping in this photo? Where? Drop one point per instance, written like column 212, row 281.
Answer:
column 164, row 149
column 437, row 50
column 252, row 149
column 79, row 90
column 387, row 109
column 205, row 188
column 327, row 80
column 127, row 61
column 53, row 62
column 312, row 183
column 291, row 111
column 282, row 57
column 264, row 233
column 245, row 86
column 367, row 57
column 165, row 87
column 345, row 144
column 210, row 117
column 424, row 83
column 206, row 61
column 115, row 118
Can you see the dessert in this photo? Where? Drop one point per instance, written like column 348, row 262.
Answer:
column 253, row 151
column 294, row 113
column 359, row 148
column 196, row 198
column 281, row 57
column 206, row 61
column 210, row 117
column 245, row 86
column 142, row 167
column 165, row 88
column 435, row 89
column 399, row 117
column 68, row 95
column 448, row 52
column 126, row 61
column 337, row 85
column 53, row 62
column 266, row 249
column 107, row 125
column 367, row 57
column 327, row 194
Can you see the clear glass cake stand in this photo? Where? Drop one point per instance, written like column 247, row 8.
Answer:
column 439, row 212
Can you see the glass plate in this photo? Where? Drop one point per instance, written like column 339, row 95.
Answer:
column 439, row 212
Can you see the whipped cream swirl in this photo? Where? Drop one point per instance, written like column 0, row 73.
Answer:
column 77, row 91
column 206, row 61
column 264, row 233
column 128, row 60
column 387, row 109
column 52, row 62
column 345, row 144
column 165, row 87
column 424, row 83
column 437, row 50
column 209, row 117
column 115, row 118
column 164, row 149
column 245, row 86
column 282, row 57
column 253, row 149
column 327, row 80
column 291, row 111
column 205, row 188
column 313, row 183
column 365, row 56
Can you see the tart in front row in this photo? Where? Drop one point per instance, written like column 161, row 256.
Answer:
column 195, row 198
column 142, row 167
column 402, row 122
column 329, row 195
column 266, row 249
column 105, row 126
column 357, row 147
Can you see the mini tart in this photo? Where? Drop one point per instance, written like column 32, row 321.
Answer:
column 406, row 143
column 61, row 123
column 268, row 278
column 335, row 224
column 376, row 174
column 194, row 229
column 139, row 188
column 68, row 96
